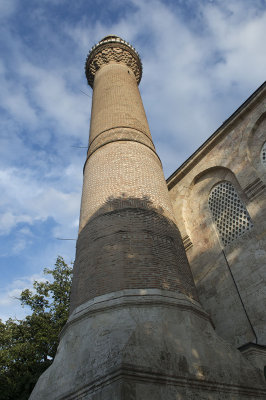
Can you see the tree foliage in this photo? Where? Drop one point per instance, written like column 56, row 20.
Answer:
column 28, row 346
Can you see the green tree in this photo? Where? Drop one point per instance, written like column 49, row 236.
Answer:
column 28, row 346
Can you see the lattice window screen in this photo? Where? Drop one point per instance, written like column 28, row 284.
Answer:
column 263, row 155
column 229, row 213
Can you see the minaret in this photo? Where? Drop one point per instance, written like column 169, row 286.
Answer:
column 136, row 330
column 127, row 238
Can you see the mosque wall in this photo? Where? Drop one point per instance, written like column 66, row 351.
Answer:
column 219, row 201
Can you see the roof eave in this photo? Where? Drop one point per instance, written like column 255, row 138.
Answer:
column 215, row 137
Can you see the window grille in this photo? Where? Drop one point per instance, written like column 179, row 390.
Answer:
column 229, row 213
column 263, row 155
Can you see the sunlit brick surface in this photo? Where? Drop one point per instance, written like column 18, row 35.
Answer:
column 123, row 169
column 128, row 237
column 116, row 101
column 136, row 330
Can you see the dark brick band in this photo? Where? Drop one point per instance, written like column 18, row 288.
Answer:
column 129, row 248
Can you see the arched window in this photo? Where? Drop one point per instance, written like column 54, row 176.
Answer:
column 263, row 155
column 229, row 213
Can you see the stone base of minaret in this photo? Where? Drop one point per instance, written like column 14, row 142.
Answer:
column 148, row 338
column 148, row 344
column 136, row 329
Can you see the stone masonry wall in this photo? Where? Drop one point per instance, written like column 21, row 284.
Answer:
column 234, row 158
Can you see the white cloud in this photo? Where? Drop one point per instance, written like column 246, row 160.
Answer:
column 184, row 69
column 237, row 33
column 19, row 245
column 25, row 231
column 199, row 65
column 30, row 200
column 7, row 8
column 14, row 100
column 63, row 105
column 9, row 304
column 197, row 71
column 8, row 221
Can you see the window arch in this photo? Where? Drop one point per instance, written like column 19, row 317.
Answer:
column 263, row 155
column 229, row 213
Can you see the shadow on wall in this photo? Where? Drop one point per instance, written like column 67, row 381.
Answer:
column 256, row 139
column 246, row 255
column 129, row 244
column 167, row 349
column 126, row 244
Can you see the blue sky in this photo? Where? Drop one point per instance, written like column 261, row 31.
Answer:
column 201, row 60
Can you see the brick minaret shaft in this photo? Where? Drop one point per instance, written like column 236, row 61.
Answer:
column 127, row 236
column 136, row 330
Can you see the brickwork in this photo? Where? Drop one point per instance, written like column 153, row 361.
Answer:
column 135, row 313
column 116, row 101
column 120, row 134
column 112, row 49
column 123, row 168
column 131, row 247
column 127, row 239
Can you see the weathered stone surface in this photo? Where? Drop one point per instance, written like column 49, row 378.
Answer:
column 143, row 343
column 232, row 154
column 256, row 354
column 136, row 330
